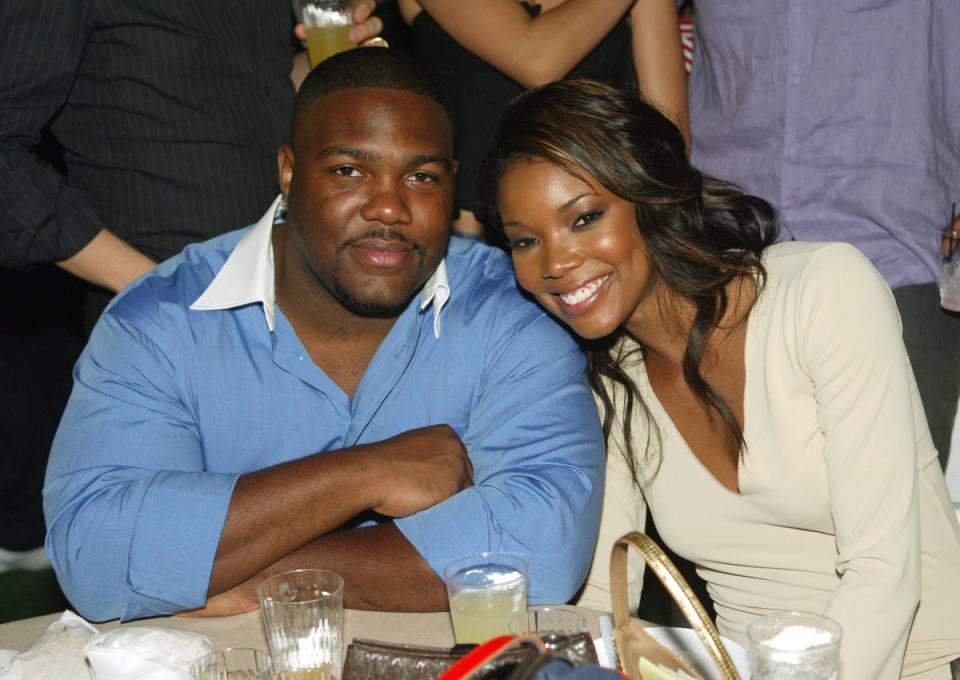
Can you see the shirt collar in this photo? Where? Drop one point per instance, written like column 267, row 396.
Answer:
column 248, row 277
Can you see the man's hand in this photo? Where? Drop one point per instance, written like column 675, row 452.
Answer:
column 420, row 468
column 238, row 600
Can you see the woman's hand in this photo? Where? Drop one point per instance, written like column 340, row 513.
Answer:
column 366, row 26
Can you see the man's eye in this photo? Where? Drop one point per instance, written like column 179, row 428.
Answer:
column 423, row 177
column 587, row 218
column 346, row 171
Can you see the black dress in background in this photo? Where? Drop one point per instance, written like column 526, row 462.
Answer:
column 478, row 93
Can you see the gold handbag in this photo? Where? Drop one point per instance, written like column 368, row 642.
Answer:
column 632, row 640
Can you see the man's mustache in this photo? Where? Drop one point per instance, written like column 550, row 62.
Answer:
column 383, row 233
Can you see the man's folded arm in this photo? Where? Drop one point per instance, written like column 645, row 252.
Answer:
column 535, row 442
column 138, row 527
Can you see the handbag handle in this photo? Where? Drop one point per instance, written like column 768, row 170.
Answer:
column 675, row 585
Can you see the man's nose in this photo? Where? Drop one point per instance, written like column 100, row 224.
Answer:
column 557, row 259
column 387, row 204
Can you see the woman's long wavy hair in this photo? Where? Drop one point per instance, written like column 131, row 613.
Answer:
column 700, row 233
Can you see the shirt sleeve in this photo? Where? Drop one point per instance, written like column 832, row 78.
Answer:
column 535, row 443
column 853, row 353
column 133, row 521
column 42, row 218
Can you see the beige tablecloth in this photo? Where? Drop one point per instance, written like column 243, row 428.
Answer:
column 245, row 630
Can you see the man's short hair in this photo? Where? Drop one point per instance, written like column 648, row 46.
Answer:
column 367, row 68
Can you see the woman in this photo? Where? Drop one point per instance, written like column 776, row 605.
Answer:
column 756, row 395
column 485, row 52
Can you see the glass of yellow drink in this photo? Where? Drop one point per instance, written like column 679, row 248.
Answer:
column 327, row 23
column 486, row 591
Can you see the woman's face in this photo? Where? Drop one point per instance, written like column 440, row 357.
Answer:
column 575, row 246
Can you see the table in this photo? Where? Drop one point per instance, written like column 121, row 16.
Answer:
column 245, row 630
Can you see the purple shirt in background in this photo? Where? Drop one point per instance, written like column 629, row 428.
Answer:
column 845, row 114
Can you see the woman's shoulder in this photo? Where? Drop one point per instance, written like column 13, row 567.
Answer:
column 819, row 266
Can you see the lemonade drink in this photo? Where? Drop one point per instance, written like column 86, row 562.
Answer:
column 486, row 591
column 479, row 615
column 327, row 24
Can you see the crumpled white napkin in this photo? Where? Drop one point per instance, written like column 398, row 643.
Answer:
column 55, row 655
column 144, row 653
column 72, row 649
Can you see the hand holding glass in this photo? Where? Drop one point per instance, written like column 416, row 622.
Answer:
column 327, row 23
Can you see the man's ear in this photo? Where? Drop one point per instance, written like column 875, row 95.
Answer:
column 285, row 168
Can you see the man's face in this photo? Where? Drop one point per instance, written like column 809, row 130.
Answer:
column 370, row 195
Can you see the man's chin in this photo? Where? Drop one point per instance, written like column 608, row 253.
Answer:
column 374, row 307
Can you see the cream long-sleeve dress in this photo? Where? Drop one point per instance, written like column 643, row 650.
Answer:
column 842, row 506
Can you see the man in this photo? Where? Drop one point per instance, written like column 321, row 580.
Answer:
column 846, row 116
column 340, row 390
column 169, row 115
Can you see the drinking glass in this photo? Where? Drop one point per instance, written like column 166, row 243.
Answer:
column 563, row 630
column 239, row 663
column 327, row 23
column 950, row 264
column 303, row 619
column 486, row 591
column 794, row 646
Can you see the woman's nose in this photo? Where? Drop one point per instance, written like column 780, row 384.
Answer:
column 557, row 259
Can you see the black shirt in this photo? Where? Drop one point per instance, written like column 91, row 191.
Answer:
column 478, row 93
column 170, row 113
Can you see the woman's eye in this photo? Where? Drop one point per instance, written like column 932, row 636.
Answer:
column 522, row 243
column 587, row 218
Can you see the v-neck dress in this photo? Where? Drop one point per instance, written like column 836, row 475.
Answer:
column 842, row 506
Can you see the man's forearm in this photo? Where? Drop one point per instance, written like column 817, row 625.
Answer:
column 108, row 261
column 381, row 569
column 276, row 511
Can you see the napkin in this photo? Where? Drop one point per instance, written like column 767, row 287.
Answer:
column 72, row 649
column 55, row 655
column 144, row 653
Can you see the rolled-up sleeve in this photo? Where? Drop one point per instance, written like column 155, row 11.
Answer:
column 535, row 442
column 42, row 218
column 133, row 519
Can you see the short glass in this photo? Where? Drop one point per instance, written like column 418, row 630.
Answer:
column 949, row 279
column 327, row 23
column 794, row 646
column 486, row 591
column 238, row 663
column 302, row 614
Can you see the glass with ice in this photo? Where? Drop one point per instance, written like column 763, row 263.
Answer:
column 303, row 618
column 950, row 264
column 486, row 591
column 794, row 646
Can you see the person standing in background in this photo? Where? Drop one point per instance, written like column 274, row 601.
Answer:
column 169, row 116
column 846, row 116
column 485, row 53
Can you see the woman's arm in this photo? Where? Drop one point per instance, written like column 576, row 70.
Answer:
column 851, row 349
column 532, row 51
column 658, row 58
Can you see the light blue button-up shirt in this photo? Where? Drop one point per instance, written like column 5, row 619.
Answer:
column 172, row 403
